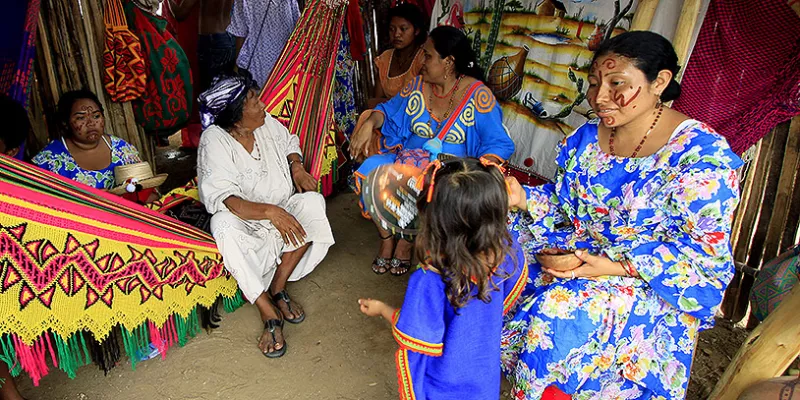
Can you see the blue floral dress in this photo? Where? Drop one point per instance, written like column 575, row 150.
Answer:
column 669, row 214
column 57, row 158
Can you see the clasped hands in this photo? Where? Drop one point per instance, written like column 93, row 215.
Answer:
column 590, row 266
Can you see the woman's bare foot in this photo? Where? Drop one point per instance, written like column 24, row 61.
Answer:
column 272, row 343
column 291, row 310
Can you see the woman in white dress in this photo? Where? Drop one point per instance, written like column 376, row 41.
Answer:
column 268, row 221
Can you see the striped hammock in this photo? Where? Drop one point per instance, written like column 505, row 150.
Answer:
column 77, row 264
column 298, row 92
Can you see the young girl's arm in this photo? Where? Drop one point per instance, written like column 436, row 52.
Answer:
column 375, row 308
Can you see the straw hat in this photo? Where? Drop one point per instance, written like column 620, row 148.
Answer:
column 133, row 177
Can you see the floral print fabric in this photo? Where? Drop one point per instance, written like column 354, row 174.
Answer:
column 56, row 158
column 670, row 214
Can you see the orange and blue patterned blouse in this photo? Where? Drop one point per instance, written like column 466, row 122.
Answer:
column 474, row 129
column 449, row 353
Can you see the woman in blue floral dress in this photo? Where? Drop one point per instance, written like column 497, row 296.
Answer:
column 644, row 197
column 85, row 153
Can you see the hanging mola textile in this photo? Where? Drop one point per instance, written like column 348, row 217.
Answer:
column 537, row 54
column 18, row 47
column 79, row 264
column 298, row 92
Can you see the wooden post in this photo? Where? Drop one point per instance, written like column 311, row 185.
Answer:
column 643, row 18
column 685, row 29
column 768, row 351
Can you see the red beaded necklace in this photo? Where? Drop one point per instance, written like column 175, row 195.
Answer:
column 646, row 135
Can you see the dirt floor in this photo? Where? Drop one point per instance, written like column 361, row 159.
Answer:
column 337, row 353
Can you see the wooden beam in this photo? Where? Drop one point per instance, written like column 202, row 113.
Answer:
column 643, row 17
column 768, row 351
column 748, row 218
column 780, row 208
column 748, row 174
column 757, row 256
column 685, row 29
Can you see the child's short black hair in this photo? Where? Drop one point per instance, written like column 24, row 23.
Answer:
column 17, row 126
column 463, row 228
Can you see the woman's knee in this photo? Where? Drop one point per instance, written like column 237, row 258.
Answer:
column 223, row 221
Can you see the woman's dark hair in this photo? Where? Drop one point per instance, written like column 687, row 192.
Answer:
column 463, row 228
column 69, row 99
column 449, row 41
column 16, row 125
column 412, row 14
column 233, row 112
column 649, row 52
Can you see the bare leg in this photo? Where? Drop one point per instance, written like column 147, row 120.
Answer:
column 385, row 251
column 8, row 391
column 268, row 312
column 288, row 263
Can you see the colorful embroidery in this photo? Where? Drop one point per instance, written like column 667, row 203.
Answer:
column 404, row 380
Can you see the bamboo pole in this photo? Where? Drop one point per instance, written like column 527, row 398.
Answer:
column 748, row 221
column 685, row 29
column 643, row 17
column 744, row 199
column 756, row 256
column 768, row 351
column 780, row 208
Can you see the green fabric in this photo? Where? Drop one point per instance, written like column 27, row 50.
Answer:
column 167, row 102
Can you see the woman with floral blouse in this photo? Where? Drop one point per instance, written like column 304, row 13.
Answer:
column 643, row 200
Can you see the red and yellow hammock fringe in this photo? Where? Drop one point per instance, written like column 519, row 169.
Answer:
column 77, row 260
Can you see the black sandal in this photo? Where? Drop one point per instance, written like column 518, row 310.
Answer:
column 284, row 297
column 270, row 326
column 380, row 262
column 399, row 267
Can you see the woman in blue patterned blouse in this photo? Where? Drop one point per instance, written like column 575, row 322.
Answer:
column 84, row 152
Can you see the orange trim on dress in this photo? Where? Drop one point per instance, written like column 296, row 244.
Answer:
column 405, row 384
column 411, row 343
column 516, row 291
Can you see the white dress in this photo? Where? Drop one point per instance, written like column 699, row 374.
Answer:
column 252, row 249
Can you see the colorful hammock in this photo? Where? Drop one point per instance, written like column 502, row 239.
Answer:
column 298, row 92
column 76, row 262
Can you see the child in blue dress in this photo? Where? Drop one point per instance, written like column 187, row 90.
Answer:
column 449, row 326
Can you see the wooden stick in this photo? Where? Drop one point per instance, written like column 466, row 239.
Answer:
column 643, row 18
column 768, row 351
column 685, row 29
column 780, row 207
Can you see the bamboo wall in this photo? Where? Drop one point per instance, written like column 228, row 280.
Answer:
column 768, row 216
column 69, row 53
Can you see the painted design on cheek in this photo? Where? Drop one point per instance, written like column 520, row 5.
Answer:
column 619, row 98
column 609, row 120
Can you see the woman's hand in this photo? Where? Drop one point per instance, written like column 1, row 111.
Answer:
column 291, row 231
column 517, row 197
column 359, row 143
column 376, row 308
column 303, row 181
column 593, row 266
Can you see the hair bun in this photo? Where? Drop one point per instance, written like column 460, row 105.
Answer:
column 672, row 92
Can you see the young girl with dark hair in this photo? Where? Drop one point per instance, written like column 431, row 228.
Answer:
column 449, row 327
column 643, row 202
